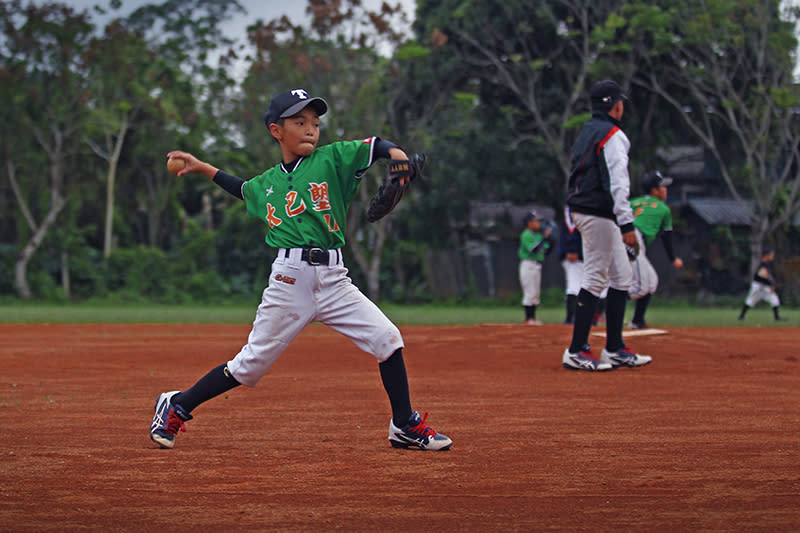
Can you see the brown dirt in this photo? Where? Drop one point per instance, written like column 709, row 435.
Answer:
column 705, row 438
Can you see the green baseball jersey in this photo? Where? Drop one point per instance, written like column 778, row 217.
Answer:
column 307, row 207
column 651, row 216
column 532, row 245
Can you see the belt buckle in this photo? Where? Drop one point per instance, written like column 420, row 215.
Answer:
column 311, row 252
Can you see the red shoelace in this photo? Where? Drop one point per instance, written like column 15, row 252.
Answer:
column 174, row 423
column 423, row 429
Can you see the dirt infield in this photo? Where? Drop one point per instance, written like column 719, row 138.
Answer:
column 706, row 438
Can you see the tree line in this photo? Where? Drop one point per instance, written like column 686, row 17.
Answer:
column 494, row 92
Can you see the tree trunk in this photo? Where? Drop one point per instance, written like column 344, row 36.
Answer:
column 23, row 206
column 107, row 236
column 113, row 164
column 65, row 285
column 207, row 212
column 21, row 267
column 758, row 232
column 370, row 264
column 374, row 279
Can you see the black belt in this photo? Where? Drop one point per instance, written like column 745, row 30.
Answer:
column 315, row 256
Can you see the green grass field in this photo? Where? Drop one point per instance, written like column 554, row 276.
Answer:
column 433, row 314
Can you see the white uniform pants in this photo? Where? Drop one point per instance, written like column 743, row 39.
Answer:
column 300, row 293
column 760, row 291
column 573, row 276
column 605, row 261
column 530, row 278
column 645, row 278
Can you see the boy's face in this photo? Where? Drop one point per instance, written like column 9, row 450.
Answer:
column 535, row 224
column 660, row 192
column 299, row 133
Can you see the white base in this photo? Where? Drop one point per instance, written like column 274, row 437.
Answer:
column 635, row 332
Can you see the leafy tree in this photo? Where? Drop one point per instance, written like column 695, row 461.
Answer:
column 119, row 70
column 174, row 91
column 45, row 76
column 725, row 67
column 531, row 63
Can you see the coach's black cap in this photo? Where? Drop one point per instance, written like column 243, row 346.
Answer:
column 654, row 179
column 605, row 94
column 292, row 102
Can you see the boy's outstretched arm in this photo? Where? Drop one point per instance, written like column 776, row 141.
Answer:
column 193, row 165
column 232, row 184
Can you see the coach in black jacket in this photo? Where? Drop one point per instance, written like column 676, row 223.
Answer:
column 599, row 187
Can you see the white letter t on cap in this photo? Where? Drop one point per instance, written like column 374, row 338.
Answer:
column 300, row 93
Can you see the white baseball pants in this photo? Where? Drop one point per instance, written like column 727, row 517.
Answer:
column 530, row 278
column 760, row 291
column 298, row 294
column 573, row 275
column 605, row 261
column 645, row 278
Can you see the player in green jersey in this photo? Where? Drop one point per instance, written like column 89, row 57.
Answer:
column 534, row 244
column 303, row 200
column 651, row 218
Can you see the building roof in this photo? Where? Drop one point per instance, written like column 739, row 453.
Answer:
column 723, row 211
column 486, row 214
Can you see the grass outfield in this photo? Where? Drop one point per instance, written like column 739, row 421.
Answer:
column 431, row 314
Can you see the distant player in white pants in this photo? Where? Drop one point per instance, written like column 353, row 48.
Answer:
column 763, row 287
column 570, row 254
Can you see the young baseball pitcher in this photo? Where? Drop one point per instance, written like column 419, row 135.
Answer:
column 304, row 201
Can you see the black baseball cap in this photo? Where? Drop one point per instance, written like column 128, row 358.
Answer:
column 290, row 103
column 605, row 94
column 530, row 215
column 654, row 179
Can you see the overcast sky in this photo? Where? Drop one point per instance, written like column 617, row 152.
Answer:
column 256, row 9
column 294, row 9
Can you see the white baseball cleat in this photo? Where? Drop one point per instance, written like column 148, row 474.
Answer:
column 624, row 357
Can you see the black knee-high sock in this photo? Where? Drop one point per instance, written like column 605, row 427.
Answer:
column 209, row 386
column 776, row 313
column 584, row 312
column 395, row 381
column 530, row 312
column 640, row 309
column 615, row 316
column 745, row 307
column 572, row 301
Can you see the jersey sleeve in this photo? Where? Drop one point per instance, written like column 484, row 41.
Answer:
column 666, row 222
column 353, row 158
column 615, row 152
column 528, row 241
column 251, row 196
